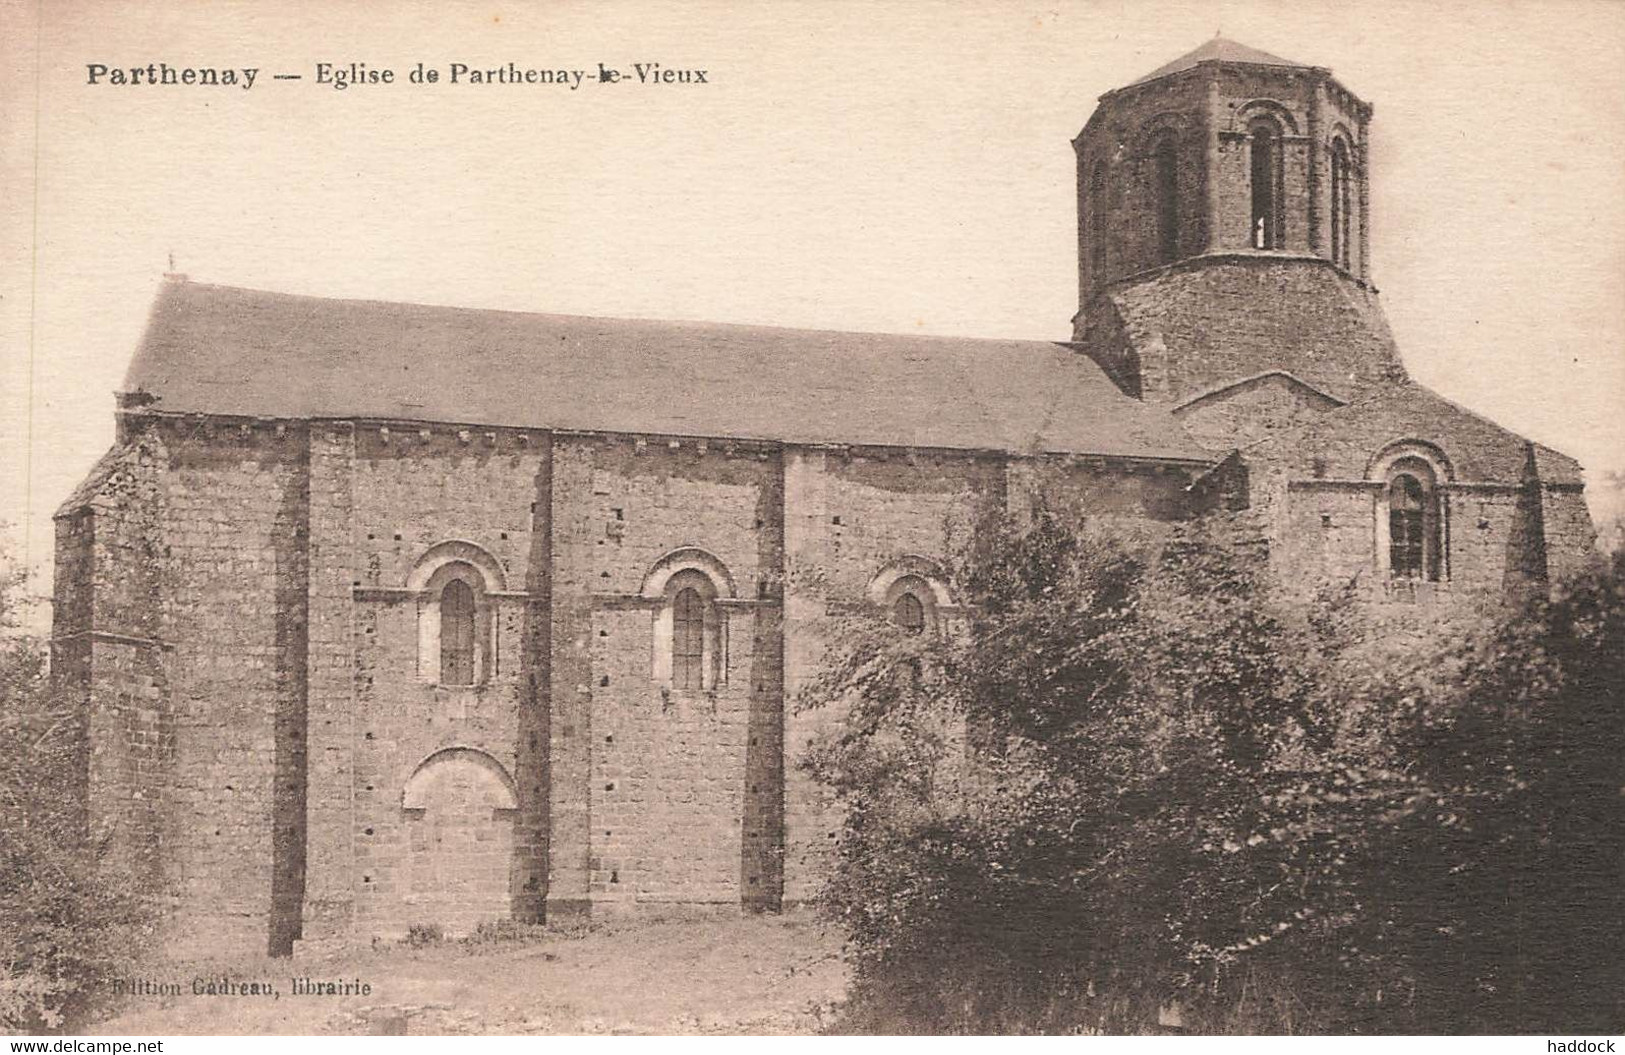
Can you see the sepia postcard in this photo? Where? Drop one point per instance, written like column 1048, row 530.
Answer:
column 812, row 518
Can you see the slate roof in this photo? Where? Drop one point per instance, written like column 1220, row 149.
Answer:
column 222, row 350
column 1222, row 50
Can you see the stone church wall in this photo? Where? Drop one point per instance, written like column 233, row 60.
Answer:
column 683, row 794
column 183, row 632
column 1300, row 316
column 1244, row 94
column 242, row 610
column 233, row 599
column 412, row 491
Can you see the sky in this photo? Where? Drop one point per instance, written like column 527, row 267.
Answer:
column 877, row 165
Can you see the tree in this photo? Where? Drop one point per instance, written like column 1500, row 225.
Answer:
column 69, row 922
column 1138, row 778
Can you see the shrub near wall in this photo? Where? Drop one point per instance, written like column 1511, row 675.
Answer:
column 69, row 921
column 1134, row 783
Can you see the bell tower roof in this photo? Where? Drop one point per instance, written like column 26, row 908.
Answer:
column 1219, row 49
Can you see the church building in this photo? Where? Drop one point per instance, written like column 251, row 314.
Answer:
column 387, row 615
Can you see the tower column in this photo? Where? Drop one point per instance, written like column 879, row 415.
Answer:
column 1211, row 119
column 1364, row 162
column 1317, row 118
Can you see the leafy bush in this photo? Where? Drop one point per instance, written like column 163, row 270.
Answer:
column 70, row 919
column 1138, row 780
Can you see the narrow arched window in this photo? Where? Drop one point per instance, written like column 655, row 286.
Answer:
column 457, row 634
column 1097, row 222
column 1166, row 159
column 1266, row 165
column 1414, row 522
column 688, row 640
column 1407, row 551
column 1342, row 200
column 909, row 614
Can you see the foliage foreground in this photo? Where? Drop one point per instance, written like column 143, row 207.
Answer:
column 1135, row 786
column 70, row 917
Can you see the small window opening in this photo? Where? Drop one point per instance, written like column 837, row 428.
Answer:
column 909, row 614
column 1167, row 176
column 457, row 634
column 1342, row 202
column 1405, row 528
column 688, row 639
column 1414, row 521
column 1265, row 173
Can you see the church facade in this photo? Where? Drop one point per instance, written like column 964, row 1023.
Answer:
column 384, row 615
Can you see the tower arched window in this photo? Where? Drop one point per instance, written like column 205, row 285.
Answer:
column 457, row 633
column 1342, row 201
column 908, row 612
column 688, row 639
column 1413, row 521
column 1097, row 221
column 1264, row 142
column 1165, row 159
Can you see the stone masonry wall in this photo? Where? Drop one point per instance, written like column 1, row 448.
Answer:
column 684, row 799
column 1209, row 110
column 251, row 589
column 1313, row 484
column 412, row 490
column 111, row 657
column 195, row 667
column 329, row 853
column 1195, row 326
column 1121, row 141
column 233, row 599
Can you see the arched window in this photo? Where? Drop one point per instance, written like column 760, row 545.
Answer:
column 690, row 624
column 1406, row 525
column 911, row 593
column 908, row 599
column 688, row 640
column 1342, row 200
column 908, row 612
column 1097, row 222
column 1265, row 142
column 457, row 634
column 454, row 583
column 1166, row 159
column 1413, row 521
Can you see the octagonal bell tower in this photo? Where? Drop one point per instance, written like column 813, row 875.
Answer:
column 1226, row 148
column 1232, row 162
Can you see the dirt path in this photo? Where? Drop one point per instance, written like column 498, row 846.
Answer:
column 743, row 975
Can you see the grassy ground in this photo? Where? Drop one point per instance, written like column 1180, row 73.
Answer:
column 762, row 974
